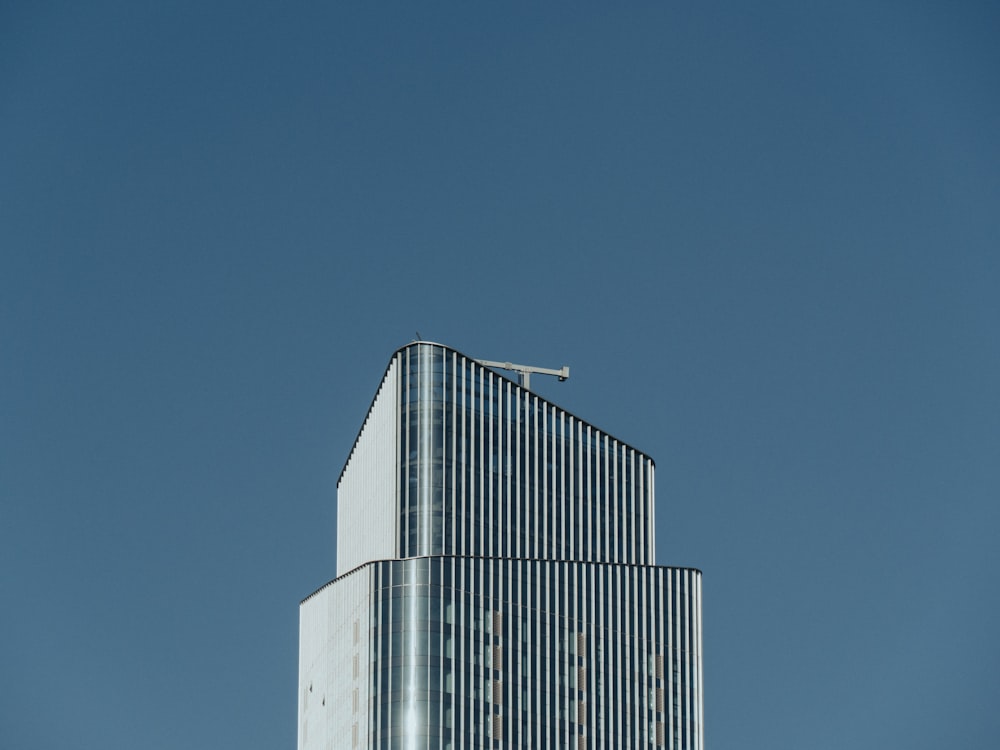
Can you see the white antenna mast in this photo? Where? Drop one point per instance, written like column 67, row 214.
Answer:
column 524, row 371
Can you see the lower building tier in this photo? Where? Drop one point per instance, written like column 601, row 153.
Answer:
column 461, row 652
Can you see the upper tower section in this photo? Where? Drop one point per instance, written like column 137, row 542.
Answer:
column 456, row 459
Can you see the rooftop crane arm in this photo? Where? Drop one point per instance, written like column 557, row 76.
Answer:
column 524, row 371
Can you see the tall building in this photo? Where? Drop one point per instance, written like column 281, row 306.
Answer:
column 496, row 580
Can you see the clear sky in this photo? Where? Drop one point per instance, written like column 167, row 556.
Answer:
column 765, row 237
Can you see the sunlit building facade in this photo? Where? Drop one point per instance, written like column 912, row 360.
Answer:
column 496, row 580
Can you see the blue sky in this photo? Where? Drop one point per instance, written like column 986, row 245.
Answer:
column 766, row 238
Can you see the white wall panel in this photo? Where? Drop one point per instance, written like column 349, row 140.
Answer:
column 335, row 664
column 367, row 494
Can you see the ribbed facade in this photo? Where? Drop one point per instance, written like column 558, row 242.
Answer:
column 455, row 459
column 497, row 586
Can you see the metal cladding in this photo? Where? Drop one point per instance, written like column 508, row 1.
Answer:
column 455, row 459
column 497, row 584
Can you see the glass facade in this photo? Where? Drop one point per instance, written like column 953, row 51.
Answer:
column 520, row 606
column 488, row 468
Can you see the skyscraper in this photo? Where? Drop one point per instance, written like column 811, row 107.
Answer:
column 496, row 583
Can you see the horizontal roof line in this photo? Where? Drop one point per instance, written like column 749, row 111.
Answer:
column 512, row 559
